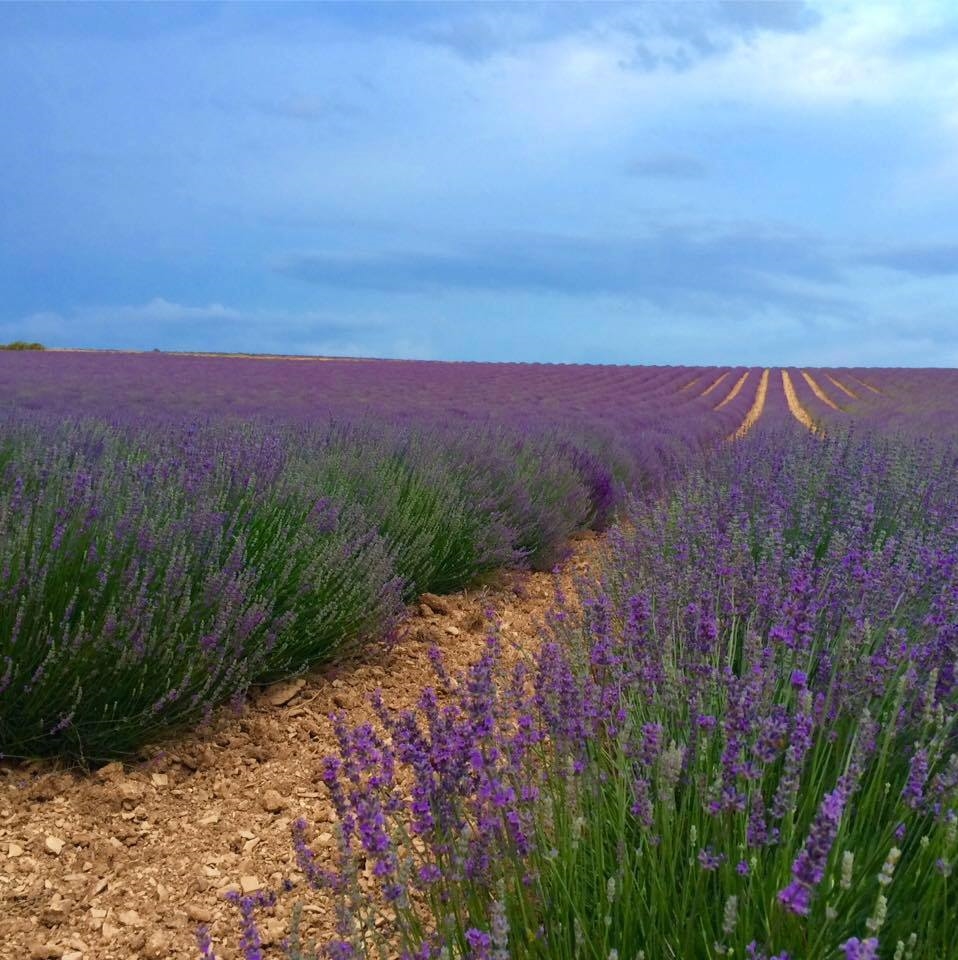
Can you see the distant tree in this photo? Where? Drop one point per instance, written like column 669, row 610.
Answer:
column 22, row 345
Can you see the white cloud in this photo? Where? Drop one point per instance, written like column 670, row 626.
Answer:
column 165, row 323
column 159, row 310
column 853, row 55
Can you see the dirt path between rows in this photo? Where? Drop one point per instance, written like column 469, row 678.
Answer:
column 819, row 392
column 123, row 863
column 795, row 405
column 734, row 392
column 755, row 411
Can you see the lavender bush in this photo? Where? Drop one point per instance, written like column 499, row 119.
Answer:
column 746, row 747
column 140, row 586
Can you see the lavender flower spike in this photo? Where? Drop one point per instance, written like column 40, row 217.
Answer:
column 856, row 949
column 809, row 866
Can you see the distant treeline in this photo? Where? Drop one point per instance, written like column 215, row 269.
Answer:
column 22, row 345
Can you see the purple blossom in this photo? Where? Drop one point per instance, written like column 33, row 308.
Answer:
column 754, row 952
column 340, row 950
column 251, row 943
column 856, row 949
column 205, row 942
column 796, row 897
column 757, row 830
column 651, row 743
column 808, row 869
column 642, row 807
column 710, row 860
column 914, row 790
column 480, row 944
column 429, row 873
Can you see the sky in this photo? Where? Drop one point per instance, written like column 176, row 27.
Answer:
column 688, row 183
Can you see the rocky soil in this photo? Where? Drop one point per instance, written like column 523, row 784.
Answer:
column 124, row 862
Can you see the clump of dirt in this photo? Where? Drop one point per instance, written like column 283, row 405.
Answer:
column 124, row 862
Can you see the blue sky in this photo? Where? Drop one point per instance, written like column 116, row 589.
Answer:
column 696, row 183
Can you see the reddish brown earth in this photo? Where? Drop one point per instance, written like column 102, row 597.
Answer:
column 124, row 862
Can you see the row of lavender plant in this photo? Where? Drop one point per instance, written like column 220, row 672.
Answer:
column 747, row 747
column 148, row 573
column 638, row 418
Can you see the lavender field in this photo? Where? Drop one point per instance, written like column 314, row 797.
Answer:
column 739, row 739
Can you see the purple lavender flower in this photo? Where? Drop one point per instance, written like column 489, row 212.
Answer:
column 710, row 860
column 316, row 876
column 757, row 834
column 856, row 949
column 340, row 950
column 914, row 790
column 797, row 897
column 808, row 868
column 799, row 745
column 480, row 944
column 642, row 808
column 754, row 952
column 251, row 942
column 429, row 873
column 651, row 743
column 205, row 942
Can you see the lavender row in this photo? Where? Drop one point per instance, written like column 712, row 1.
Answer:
column 151, row 572
column 748, row 748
